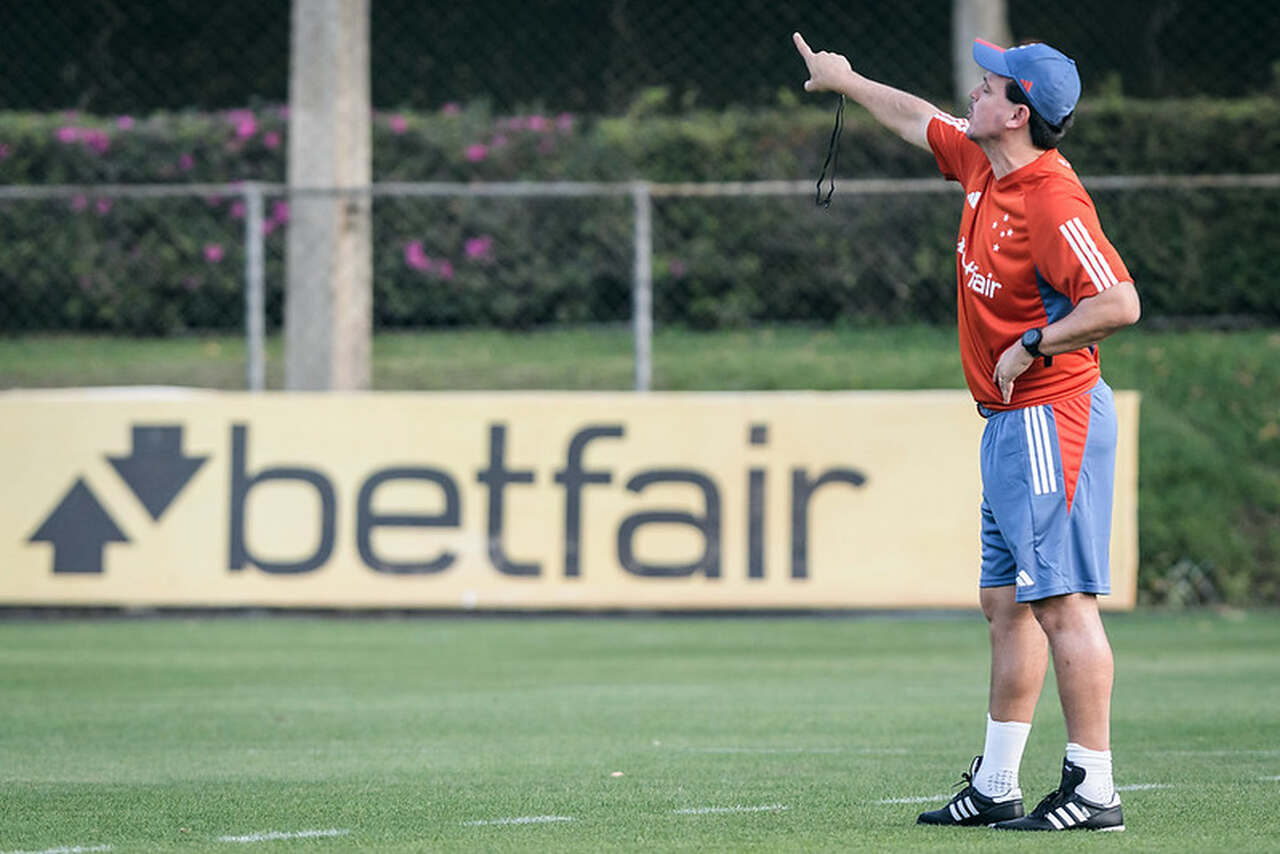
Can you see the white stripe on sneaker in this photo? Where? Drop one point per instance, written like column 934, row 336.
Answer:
column 955, row 813
column 972, row 809
column 1057, row 825
column 1081, row 814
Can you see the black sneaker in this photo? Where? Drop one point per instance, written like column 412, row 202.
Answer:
column 1063, row 809
column 971, row 808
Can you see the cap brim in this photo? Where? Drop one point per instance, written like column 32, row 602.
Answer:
column 990, row 57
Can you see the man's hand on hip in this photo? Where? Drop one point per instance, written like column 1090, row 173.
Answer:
column 828, row 72
column 1013, row 363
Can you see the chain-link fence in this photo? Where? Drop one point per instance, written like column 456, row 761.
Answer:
column 167, row 260
column 168, row 94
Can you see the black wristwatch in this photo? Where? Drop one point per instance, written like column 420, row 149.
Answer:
column 1031, row 343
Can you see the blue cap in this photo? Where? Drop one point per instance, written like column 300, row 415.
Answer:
column 1046, row 76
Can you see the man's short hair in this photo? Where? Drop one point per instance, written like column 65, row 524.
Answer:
column 1043, row 135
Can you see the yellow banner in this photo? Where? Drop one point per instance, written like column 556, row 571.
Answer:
column 504, row 500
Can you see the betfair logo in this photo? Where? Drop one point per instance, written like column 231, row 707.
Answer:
column 79, row 527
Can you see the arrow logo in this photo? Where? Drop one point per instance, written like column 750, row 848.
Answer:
column 79, row 529
column 157, row 469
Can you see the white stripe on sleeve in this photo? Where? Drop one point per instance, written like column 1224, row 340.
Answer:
column 1087, row 253
column 1097, row 253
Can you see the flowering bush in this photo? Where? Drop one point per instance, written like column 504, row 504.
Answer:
column 167, row 265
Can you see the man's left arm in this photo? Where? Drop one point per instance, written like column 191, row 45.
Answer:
column 1094, row 318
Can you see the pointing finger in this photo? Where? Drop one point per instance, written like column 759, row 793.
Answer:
column 801, row 45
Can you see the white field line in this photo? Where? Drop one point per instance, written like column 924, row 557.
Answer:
column 718, row 810
column 524, row 819
column 922, row 799
column 272, row 835
column 1142, row 787
column 860, row 750
column 1218, row 752
column 72, row 849
column 1275, row 779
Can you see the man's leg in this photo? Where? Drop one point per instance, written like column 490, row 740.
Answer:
column 1085, row 670
column 1019, row 658
column 1083, row 665
column 1019, row 655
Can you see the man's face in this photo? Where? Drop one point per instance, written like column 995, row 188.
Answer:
column 989, row 109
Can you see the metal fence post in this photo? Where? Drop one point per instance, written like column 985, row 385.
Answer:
column 642, row 285
column 255, row 322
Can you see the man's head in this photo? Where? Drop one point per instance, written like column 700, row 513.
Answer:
column 1032, row 85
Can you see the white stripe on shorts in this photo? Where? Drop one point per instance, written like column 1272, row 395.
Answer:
column 1044, row 474
column 1046, row 446
column 1031, row 452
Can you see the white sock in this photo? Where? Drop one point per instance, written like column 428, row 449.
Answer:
column 997, row 776
column 1098, row 785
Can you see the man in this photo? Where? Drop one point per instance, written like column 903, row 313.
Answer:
column 1039, row 287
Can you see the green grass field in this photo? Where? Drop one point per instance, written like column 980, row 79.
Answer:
column 724, row 734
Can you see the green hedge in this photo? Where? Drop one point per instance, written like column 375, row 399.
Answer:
column 167, row 266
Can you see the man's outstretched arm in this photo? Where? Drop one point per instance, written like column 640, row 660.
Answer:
column 903, row 113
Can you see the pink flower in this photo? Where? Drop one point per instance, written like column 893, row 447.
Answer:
column 537, row 123
column 564, row 122
column 98, row 141
column 477, row 152
column 269, row 225
column 68, row 134
column 280, row 211
column 546, row 145
column 4, row 151
column 213, row 252
column 125, row 122
column 186, row 162
column 283, row 112
column 79, row 203
column 103, row 207
column 245, row 124
column 399, row 124
column 677, row 268
column 415, row 257
column 451, row 109
column 498, row 141
column 271, row 139
column 479, row 248
column 237, row 210
column 445, row 269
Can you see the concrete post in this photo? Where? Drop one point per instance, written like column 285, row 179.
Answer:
column 974, row 19
column 328, row 298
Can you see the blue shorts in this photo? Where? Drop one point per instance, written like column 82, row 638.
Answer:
column 1047, row 478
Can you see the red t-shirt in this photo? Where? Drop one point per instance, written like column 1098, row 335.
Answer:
column 1029, row 249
